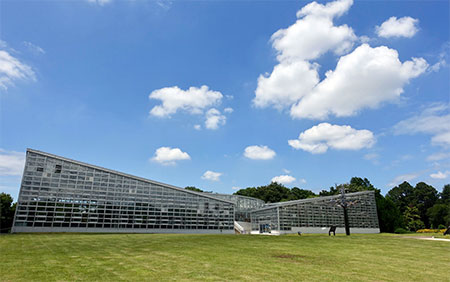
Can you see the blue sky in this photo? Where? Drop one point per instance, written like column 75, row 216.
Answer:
column 225, row 95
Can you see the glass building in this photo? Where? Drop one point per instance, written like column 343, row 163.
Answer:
column 62, row 195
column 243, row 205
column 316, row 215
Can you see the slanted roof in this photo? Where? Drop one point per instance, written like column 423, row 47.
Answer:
column 308, row 200
column 128, row 175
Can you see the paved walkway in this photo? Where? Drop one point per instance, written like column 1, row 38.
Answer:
column 434, row 239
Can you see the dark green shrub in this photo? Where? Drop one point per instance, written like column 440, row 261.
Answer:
column 400, row 231
column 442, row 226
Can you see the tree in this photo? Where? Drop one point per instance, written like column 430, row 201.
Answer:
column 439, row 214
column 389, row 215
column 445, row 194
column 7, row 210
column 412, row 219
column 193, row 188
column 275, row 192
column 425, row 196
column 402, row 195
column 302, row 193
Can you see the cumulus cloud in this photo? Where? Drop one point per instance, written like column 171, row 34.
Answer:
column 434, row 120
column 169, row 156
column 194, row 100
column 283, row 179
column 362, row 79
column 319, row 138
column 197, row 127
column 211, row 175
column 11, row 163
column 259, row 153
column 236, row 188
column 287, row 83
column 365, row 78
column 401, row 178
column 314, row 33
column 11, row 69
column 214, row 119
column 439, row 175
column 402, row 27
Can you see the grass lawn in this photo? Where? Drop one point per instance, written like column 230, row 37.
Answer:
column 137, row 257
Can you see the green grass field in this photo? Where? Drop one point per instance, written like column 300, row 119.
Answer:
column 137, row 257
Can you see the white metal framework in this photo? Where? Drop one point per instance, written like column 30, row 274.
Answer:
column 62, row 195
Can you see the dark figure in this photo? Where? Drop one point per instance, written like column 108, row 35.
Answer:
column 332, row 229
column 447, row 232
column 299, row 233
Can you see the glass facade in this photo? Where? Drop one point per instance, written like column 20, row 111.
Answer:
column 318, row 212
column 243, row 205
column 62, row 195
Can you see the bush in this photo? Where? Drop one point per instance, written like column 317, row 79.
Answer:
column 400, row 231
column 442, row 226
column 430, row 231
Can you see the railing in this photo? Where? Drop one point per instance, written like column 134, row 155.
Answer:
column 239, row 228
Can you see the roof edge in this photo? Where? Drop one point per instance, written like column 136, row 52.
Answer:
column 126, row 175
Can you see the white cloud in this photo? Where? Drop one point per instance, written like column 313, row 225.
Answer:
column 314, row 33
column 214, row 119
column 236, row 188
column 99, row 2
column 34, row 48
column 228, row 110
column 211, row 175
column 169, row 156
column 287, row 83
column 12, row 69
column 439, row 175
column 442, row 58
column 402, row 27
column 259, row 153
column 362, row 79
column 434, row 120
column 319, row 138
column 286, row 171
column 401, row 178
column 438, row 157
column 194, row 100
column 365, row 78
column 197, row 127
column 303, row 181
column 283, row 179
column 11, row 163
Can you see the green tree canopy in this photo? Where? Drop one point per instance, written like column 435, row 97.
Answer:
column 275, row 192
column 402, row 195
column 439, row 214
column 425, row 196
column 412, row 219
column 7, row 209
column 445, row 194
column 193, row 188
